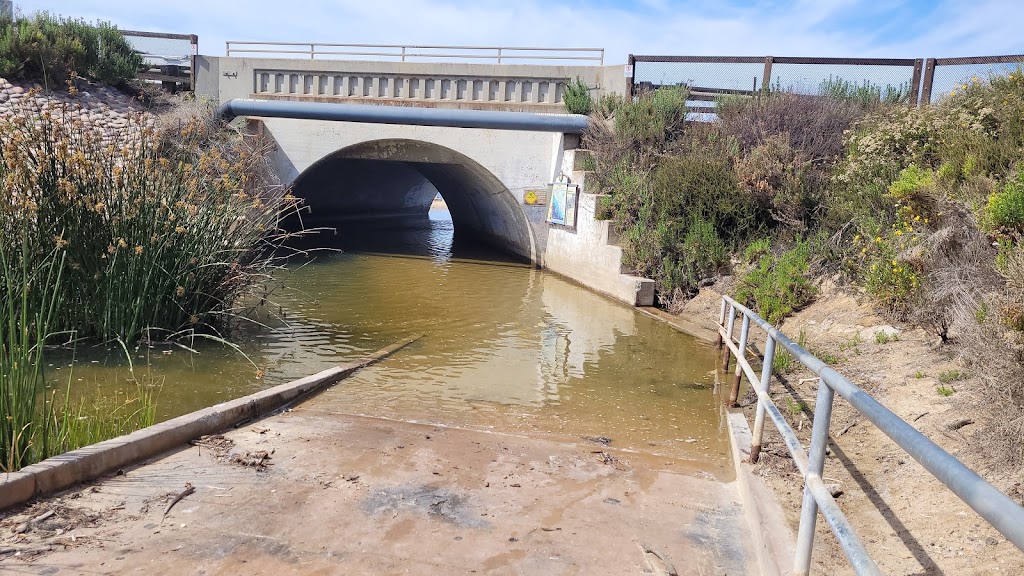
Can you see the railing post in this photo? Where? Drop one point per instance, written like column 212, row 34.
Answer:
column 721, row 322
column 403, row 53
column 227, row 48
column 312, row 51
column 766, row 380
column 728, row 334
column 734, row 395
column 499, row 55
column 815, row 465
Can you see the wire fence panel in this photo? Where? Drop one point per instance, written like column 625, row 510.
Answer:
column 915, row 81
column 744, row 76
column 888, row 82
column 945, row 75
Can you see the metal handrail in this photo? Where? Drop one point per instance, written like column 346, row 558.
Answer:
column 995, row 507
column 401, row 51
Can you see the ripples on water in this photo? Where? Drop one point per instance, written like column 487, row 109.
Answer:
column 505, row 347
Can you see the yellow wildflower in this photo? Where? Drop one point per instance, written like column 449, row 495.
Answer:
column 138, row 250
column 180, row 229
column 121, row 243
column 180, row 291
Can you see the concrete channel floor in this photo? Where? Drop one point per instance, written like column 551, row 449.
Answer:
column 345, row 494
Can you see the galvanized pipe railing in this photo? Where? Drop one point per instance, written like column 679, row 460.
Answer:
column 406, row 52
column 995, row 507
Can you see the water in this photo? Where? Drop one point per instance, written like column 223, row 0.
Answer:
column 505, row 347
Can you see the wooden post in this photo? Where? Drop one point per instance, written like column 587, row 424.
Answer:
column 766, row 81
column 631, row 62
column 915, row 82
column 929, row 75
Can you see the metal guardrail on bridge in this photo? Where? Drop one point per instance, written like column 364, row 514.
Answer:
column 995, row 507
column 420, row 53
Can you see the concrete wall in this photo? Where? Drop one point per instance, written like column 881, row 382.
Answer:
column 586, row 256
column 515, row 87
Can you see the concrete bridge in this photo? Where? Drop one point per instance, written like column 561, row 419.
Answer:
column 385, row 164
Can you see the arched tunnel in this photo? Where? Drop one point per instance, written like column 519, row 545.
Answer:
column 396, row 180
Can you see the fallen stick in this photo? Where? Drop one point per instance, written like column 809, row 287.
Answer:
column 188, row 490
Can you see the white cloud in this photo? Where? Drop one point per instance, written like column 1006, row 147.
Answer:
column 796, row 27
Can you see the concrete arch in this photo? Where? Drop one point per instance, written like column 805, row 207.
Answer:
column 398, row 178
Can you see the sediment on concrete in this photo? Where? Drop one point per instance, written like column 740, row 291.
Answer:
column 772, row 541
column 66, row 470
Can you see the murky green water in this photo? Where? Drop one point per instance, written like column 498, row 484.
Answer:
column 505, row 347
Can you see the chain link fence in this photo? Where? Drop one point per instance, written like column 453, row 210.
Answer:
column 167, row 57
column 914, row 81
column 708, row 77
column 945, row 75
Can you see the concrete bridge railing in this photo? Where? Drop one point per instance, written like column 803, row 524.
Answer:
column 510, row 87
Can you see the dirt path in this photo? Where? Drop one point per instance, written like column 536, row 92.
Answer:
column 316, row 491
column 910, row 523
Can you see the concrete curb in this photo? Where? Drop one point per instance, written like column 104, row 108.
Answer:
column 679, row 323
column 771, row 538
column 66, row 470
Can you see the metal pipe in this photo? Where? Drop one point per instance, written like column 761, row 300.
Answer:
column 996, row 508
column 815, row 466
column 721, row 322
column 564, row 123
column 766, row 380
column 734, row 394
column 728, row 336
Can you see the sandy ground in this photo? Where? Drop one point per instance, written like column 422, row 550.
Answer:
column 911, row 523
column 316, row 491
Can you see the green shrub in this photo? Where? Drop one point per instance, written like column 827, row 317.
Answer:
column 608, row 104
column 652, row 119
column 866, row 93
column 778, row 285
column 48, row 49
column 577, row 97
column 1005, row 207
column 160, row 231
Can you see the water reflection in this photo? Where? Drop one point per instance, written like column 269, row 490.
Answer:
column 505, row 347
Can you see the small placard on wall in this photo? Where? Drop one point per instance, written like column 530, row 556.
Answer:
column 536, row 196
column 562, row 208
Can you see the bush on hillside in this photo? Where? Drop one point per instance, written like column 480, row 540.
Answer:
column 158, row 231
column 49, row 50
column 577, row 97
column 779, row 285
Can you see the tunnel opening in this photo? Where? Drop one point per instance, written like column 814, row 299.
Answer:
column 380, row 186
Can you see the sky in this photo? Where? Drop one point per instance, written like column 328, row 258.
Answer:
column 850, row 28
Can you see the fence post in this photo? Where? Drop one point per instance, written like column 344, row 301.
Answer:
column 631, row 63
column 312, row 51
column 499, row 55
column 734, row 395
column 929, row 75
column 403, row 53
column 766, row 381
column 915, row 81
column 728, row 334
column 766, row 81
column 815, row 465
column 721, row 322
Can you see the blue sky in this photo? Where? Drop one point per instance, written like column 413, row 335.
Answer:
column 910, row 28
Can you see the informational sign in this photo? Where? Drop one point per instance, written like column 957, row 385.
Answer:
column 530, row 198
column 562, row 207
column 629, row 71
column 556, row 208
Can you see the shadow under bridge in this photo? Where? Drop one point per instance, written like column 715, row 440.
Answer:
column 384, row 183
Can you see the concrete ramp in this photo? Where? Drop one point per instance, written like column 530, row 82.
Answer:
column 317, row 491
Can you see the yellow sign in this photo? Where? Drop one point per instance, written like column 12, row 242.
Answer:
column 531, row 197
